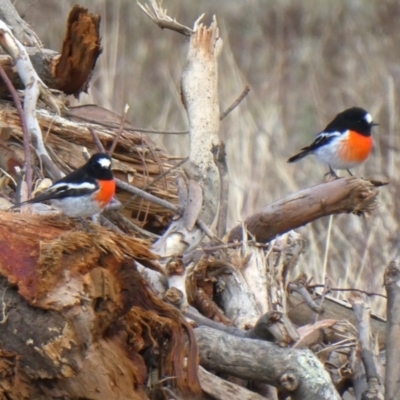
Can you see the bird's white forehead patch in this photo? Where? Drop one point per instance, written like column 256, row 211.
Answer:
column 104, row 162
column 368, row 118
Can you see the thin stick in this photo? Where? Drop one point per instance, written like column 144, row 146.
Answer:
column 207, row 231
column 147, row 196
column 97, row 140
column 245, row 92
column 327, row 245
column 26, row 136
column 346, row 290
column 120, row 130
column 128, row 128
column 221, row 163
column 159, row 177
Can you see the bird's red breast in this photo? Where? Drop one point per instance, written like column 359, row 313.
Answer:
column 106, row 192
column 356, row 148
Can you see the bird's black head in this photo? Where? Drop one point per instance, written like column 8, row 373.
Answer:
column 99, row 166
column 354, row 119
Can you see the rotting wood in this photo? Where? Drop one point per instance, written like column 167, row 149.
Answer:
column 69, row 71
column 86, row 289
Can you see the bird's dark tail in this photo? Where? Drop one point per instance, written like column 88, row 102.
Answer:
column 299, row 156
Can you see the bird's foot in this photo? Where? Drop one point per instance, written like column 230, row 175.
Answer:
column 331, row 175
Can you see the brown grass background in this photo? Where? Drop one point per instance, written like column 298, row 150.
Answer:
column 305, row 62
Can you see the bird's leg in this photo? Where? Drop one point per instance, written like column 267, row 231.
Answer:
column 331, row 175
column 86, row 226
column 349, row 172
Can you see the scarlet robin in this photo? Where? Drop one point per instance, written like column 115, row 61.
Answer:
column 84, row 192
column 345, row 143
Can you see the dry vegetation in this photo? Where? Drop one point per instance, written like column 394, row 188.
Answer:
column 304, row 62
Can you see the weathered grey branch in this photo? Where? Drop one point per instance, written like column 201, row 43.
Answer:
column 219, row 388
column 392, row 285
column 368, row 356
column 22, row 31
column 346, row 195
column 297, row 373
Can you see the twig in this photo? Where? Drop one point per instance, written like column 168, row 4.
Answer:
column 159, row 177
column 120, row 130
column 147, row 196
column 160, row 17
column 207, row 231
column 322, row 298
column 97, row 140
column 245, row 92
column 346, row 290
column 232, row 245
column 26, row 136
column 118, row 217
column 128, row 128
column 392, row 285
column 302, row 291
column 221, row 163
column 34, row 87
column 362, row 313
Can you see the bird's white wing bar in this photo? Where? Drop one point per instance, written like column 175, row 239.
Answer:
column 73, row 186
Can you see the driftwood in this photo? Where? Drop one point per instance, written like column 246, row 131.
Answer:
column 348, row 195
column 297, row 373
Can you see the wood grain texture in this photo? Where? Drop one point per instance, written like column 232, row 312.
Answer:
column 346, row 195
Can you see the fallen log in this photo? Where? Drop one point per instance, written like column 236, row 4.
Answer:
column 294, row 372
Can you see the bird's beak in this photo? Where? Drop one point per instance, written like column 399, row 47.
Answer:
column 374, row 124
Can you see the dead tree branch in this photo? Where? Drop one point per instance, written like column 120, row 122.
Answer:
column 348, row 195
column 368, row 356
column 392, row 285
column 297, row 373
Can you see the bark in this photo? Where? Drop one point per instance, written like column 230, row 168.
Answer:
column 200, row 96
column 297, row 373
column 199, row 194
column 346, row 195
column 392, row 285
column 369, row 358
column 85, row 305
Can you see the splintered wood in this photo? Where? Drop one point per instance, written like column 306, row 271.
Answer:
column 91, row 306
column 81, row 48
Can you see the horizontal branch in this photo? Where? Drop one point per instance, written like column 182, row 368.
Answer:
column 297, row 373
column 348, row 195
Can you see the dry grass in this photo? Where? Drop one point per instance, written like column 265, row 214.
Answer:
column 305, row 61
